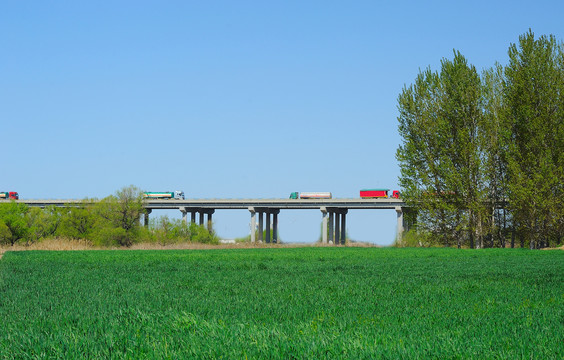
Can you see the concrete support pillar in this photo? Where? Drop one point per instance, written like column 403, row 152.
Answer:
column 210, row 224
column 147, row 212
column 193, row 216
column 253, row 224
column 399, row 226
column 267, row 232
column 184, row 215
column 337, row 228
column 260, row 225
column 331, row 227
column 275, row 213
column 201, row 216
column 324, row 225
column 344, row 226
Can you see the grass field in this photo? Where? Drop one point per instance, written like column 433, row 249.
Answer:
column 283, row 303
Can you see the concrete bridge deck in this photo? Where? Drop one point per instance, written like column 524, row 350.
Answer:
column 218, row 204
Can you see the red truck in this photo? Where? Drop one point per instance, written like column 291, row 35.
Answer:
column 9, row 195
column 378, row 194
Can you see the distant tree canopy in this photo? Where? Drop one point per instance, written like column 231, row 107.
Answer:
column 482, row 156
column 112, row 221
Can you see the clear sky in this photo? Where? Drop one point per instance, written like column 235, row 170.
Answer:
column 230, row 99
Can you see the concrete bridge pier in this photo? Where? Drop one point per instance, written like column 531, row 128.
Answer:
column 261, row 212
column 333, row 230
column 209, row 212
column 324, row 218
column 267, row 230
column 337, row 239
column 274, row 213
column 343, row 214
column 253, row 223
column 146, row 217
column 201, row 213
column 201, row 217
column 184, row 212
column 400, row 223
column 260, row 224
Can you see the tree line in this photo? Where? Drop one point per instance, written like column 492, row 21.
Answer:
column 482, row 155
column 112, row 221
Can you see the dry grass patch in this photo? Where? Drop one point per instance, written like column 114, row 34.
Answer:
column 51, row 244
column 65, row 244
column 557, row 248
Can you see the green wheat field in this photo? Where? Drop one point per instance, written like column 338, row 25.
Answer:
column 310, row 302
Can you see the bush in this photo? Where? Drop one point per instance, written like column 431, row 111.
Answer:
column 199, row 234
column 414, row 238
column 14, row 229
column 110, row 236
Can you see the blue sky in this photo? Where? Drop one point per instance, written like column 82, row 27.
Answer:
column 230, row 99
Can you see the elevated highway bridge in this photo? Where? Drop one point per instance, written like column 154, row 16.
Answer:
column 333, row 211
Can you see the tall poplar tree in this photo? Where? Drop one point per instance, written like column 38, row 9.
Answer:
column 461, row 107
column 421, row 153
column 494, row 132
column 440, row 157
column 482, row 155
column 533, row 95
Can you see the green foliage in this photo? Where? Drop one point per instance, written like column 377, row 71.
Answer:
column 482, row 157
column 165, row 231
column 43, row 223
column 534, row 96
column 283, row 303
column 13, row 225
column 440, row 158
column 415, row 238
column 111, row 222
column 247, row 239
column 118, row 217
column 200, row 234
column 244, row 239
column 5, row 233
column 77, row 222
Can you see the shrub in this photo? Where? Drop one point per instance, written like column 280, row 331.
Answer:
column 199, row 234
column 112, row 236
column 414, row 238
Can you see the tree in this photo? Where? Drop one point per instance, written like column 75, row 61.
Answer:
column 77, row 222
column 13, row 226
column 42, row 223
column 533, row 95
column 421, row 153
column 494, row 132
column 461, row 107
column 119, row 215
column 441, row 153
